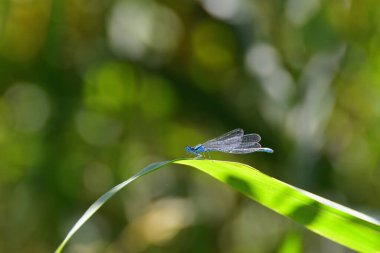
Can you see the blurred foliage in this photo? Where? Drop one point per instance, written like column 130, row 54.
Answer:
column 92, row 91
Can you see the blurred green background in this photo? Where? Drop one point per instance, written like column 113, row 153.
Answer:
column 91, row 91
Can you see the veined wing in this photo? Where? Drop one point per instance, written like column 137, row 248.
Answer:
column 249, row 143
column 223, row 145
column 246, row 148
column 233, row 135
column 250, row 138
column 235, row 144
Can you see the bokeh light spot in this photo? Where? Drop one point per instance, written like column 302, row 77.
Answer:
column 97, row 129
column 25, row 28
column 110, row 86
column 97, row 178
column 143, row 29
column 213, row 46
column 299, row 11
column 29, row 107
column 160, row 223
column 223, row 9
column 261, row 59
column 213, row 56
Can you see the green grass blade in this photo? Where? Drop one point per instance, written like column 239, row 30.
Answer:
column 336, row 222
column 100, row 202
column 331, row 220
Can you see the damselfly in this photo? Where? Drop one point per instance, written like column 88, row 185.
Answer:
column 234, row 142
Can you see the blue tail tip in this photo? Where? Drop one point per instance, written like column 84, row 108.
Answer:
column 268, row 150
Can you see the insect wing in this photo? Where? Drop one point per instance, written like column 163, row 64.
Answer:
column 233, row 134
column 235, row 142
column 249, row 144
column 249, row 138
column 223, row 145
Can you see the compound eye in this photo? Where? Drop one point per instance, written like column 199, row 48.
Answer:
column 197, row 147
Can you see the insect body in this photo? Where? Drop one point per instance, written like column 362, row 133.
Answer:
column 234, row 142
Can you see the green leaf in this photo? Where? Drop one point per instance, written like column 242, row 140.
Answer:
column 336, row 222
column 331, row 220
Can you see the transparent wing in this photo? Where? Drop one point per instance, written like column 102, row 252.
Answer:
column 223, row 145
column 236, row 148
column 237, row 144
column 235, row 134
column 249, row 138
column 249, row 144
